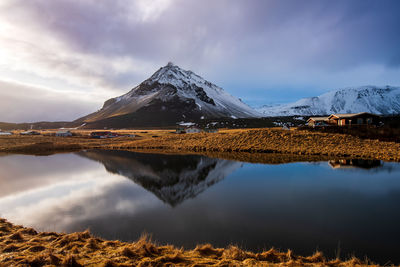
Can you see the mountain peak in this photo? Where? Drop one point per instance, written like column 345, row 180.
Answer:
column 170, row 64
column 174, row 75
column 168, row 70
column 176, row 94
column 368, row 98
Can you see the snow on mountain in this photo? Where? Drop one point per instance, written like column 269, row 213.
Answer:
column 181, row 93
column 373, row 99
column 207, row 95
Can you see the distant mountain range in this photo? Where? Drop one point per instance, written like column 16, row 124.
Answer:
column 373, row 99
column 170, row 95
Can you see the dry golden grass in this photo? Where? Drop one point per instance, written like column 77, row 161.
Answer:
column 21, row 246
column 295, row 143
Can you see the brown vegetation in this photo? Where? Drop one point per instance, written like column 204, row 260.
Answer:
column 385, row 133
column 21, row 246
column 297, row 143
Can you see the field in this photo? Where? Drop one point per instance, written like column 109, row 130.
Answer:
column 255, row 143
column 21, row 246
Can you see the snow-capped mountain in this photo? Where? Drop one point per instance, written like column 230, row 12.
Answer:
column 172, row 94
column 172, row 178
column 373, row 99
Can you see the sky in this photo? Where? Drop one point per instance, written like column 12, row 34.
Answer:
column 60, row 60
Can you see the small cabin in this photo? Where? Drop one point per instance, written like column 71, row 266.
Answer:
column 363, row 118
column 193, row 130
column 180, row 130
column 30, row 133
column 104, row 134
column 211, row 130
column 317, row 121
column 63, row 133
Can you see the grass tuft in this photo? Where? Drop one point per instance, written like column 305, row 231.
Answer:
column 208, row 250
column 127, row 252
column 10, row 248
column 70, row 261
column 16, row 236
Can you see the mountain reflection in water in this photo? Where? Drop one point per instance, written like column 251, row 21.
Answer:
column 172, row 178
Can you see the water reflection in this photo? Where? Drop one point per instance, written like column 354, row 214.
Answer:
column 355, row 163
column 172, row 178
column 298, row 206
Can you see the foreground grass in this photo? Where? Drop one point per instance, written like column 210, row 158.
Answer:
column 21, row 246
column 296, row 143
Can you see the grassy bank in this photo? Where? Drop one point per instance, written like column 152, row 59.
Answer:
column 21, row 246
column 295, row 143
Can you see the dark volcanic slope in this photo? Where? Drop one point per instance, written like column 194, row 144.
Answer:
column 170, row 95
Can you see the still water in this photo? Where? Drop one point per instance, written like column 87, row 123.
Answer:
column 339, row 207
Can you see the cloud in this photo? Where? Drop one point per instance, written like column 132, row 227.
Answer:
column 24, row 103
column 259, row 46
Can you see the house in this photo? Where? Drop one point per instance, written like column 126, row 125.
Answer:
column 211, row 130
column 180, row 130
column 30, row 133
column 193, row 129
column 105, row 134
column 189, row 129
column 317, row 121
column 362, row 118
column 63, row 133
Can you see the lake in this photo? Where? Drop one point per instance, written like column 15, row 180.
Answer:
column 338, row 207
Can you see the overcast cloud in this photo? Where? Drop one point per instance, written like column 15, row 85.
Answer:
column 66, row 57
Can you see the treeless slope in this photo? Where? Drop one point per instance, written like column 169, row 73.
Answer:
column 21, row 246
column 278, row 141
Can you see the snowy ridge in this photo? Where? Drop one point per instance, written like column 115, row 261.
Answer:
column 372, row 99
column 174, row 86
column 184, row 81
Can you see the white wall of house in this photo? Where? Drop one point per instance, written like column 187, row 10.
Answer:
column 193, row 130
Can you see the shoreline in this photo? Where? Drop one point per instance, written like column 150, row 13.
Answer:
column 255, row 143
column 25, row 246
